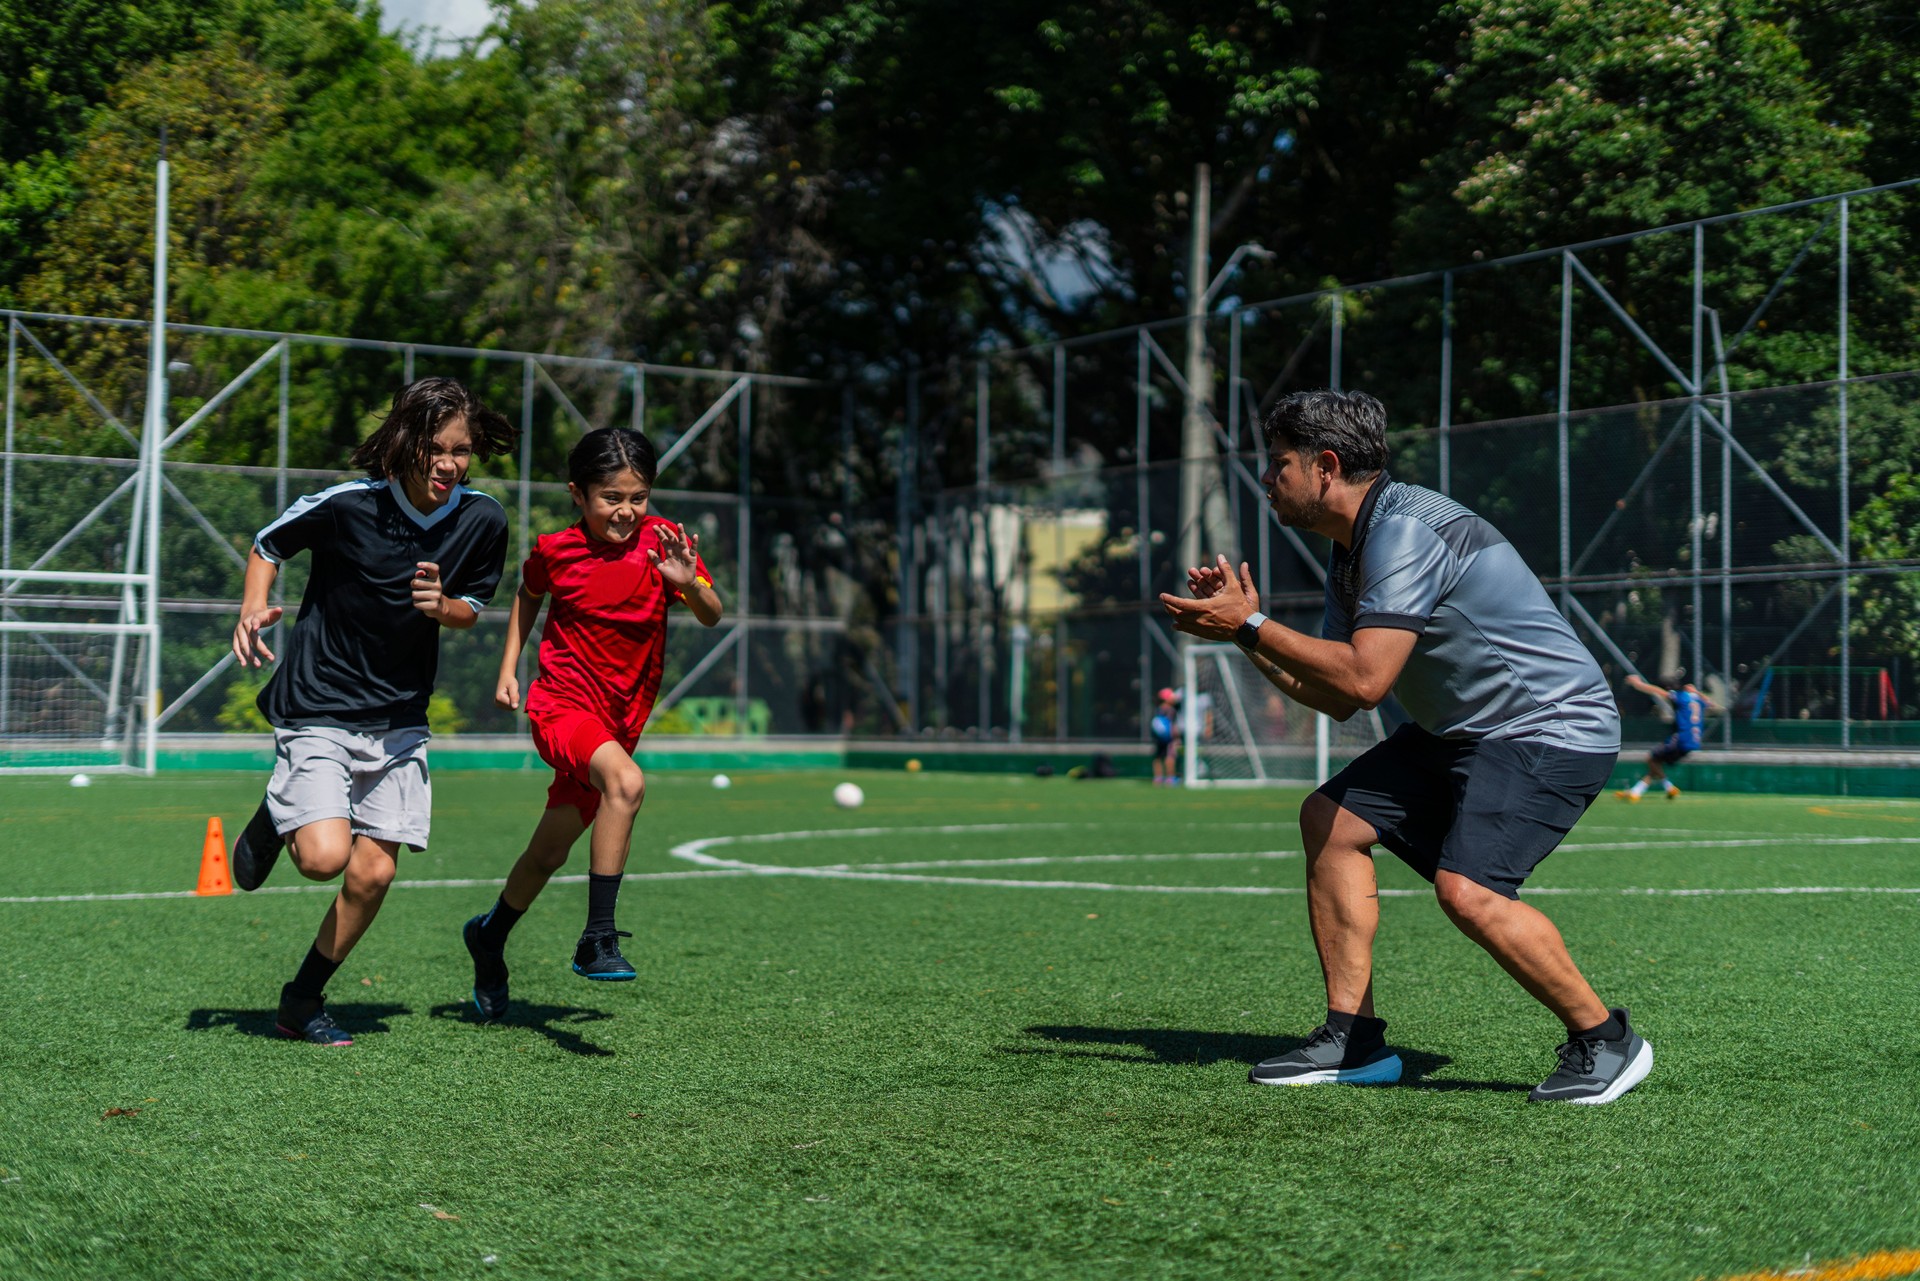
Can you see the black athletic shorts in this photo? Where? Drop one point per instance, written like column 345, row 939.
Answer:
column 1489, row 809
column 1670, row 752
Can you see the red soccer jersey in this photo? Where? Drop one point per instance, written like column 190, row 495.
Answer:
column 605, row 642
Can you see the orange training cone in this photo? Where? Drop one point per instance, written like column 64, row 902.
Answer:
column 214, row 877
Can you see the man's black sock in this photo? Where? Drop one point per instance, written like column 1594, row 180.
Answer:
column 602, row 891
column 498, row 923
column 1611, row 1030
column 1344, row 1023
column 310, row 983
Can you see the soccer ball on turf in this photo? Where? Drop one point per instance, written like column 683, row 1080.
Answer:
column 848, row 796
column 80, row 780
column 722, row 782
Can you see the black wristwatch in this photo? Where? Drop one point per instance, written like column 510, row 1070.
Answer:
column 1247, row 635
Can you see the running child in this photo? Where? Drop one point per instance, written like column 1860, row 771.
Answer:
column 1690, row 708
column 612, row 576
column 395, row 557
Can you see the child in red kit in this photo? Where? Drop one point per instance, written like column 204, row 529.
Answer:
column 612, row 578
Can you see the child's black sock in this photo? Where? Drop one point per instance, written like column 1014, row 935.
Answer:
column 602, row 891
column 311, row 982
column 498, row 923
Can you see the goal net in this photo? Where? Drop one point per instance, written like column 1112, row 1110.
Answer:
column 1240, row 730
column 69, row 697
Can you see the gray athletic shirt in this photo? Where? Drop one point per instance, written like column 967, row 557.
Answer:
column 1495, row 659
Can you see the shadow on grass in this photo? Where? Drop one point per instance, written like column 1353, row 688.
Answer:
column 1179, row 1047
column 555, row 1022
column 358, row 1019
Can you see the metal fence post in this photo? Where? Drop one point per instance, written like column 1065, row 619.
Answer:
column 1339, row 299
column 1561, row 426
column 1059, row 407
column 1695, row 530
column 1845, row 539
column 6, row 525
column 907, row 649
column 743, row 531
column 1446, row 383
column 522, row 727
column 982, row 466
column 280, row 459
column 1143, row 528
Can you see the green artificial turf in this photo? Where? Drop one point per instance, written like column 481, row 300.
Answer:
column 850, row 1077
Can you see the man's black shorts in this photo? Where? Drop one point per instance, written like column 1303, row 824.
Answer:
column 1670, row 752
column 1489, row 809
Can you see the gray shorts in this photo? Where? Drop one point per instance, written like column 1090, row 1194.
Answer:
column 377, row 782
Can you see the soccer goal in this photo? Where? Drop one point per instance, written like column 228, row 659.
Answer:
column 1241, row 731
column 72, row 691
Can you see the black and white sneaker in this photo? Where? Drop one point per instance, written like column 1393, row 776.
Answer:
column 257, row 850
column 1597, row 1070
column 597, row 956
column 489, row 972
column 306, row 1019
column 1330, row 1057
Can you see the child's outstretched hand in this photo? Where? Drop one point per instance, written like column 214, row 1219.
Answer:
column 507, row 693
column 675, row 556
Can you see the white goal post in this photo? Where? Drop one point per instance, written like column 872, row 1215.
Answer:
column 1241, row 731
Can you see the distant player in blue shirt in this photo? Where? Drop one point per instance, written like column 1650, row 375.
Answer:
column 1165, row 728
column 1690, row 708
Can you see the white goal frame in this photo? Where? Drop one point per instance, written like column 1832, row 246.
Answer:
column 1234, row 713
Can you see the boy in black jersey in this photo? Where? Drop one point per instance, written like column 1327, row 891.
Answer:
column 395, row 558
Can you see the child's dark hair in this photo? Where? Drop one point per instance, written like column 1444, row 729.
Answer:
column 609, row 451
column 399, row 446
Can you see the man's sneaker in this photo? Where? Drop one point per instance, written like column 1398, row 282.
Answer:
column 1358, row 1057
column 257, row 850
column 1597, row 1070
column 597, row 956
column 489, row 972
column 306, row 1019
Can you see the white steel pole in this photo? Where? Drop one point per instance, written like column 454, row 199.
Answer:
column 156, row 433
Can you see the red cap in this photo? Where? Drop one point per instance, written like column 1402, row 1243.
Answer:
column 1168, row 696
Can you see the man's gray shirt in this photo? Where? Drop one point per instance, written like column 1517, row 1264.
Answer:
column 1494, row 658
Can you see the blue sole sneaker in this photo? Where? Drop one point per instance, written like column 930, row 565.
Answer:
column 1356, row 1057
column 597, row 956
column 489, row 972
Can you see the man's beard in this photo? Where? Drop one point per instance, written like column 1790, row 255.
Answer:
column 1298, row 513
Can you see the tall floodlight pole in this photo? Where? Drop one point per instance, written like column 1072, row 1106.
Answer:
column 153, row 448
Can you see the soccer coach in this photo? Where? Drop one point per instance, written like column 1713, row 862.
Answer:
column 1514, row 732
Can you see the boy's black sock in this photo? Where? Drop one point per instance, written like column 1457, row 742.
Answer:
column 311, row 982
column 498, row 923
column 602, row 891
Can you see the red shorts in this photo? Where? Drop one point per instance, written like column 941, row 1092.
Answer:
column 566, row 739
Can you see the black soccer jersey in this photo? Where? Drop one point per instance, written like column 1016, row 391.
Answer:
column 361, row 657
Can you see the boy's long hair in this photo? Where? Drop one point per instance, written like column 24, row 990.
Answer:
column 398, row 448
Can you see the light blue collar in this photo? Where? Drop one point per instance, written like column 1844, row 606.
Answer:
column 423, row 520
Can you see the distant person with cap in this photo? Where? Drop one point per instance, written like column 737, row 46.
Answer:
column 1165, row 728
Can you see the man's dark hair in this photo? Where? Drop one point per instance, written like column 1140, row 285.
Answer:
column 605, row 453
column 399, row 447
column 1350, row 423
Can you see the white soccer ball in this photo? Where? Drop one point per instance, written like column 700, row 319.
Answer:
column 722, row 782
column 848, row 796
column 80, row 780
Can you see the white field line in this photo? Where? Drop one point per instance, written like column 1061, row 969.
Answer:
column 711, row 865
column 696, row 852
column 325, row 887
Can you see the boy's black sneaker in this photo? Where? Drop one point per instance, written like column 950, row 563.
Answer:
column 306, row 1019
column 489, row 972
column 257, row 850
column 597, row 956
column 1597, row 1070
column 1330, row 1057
